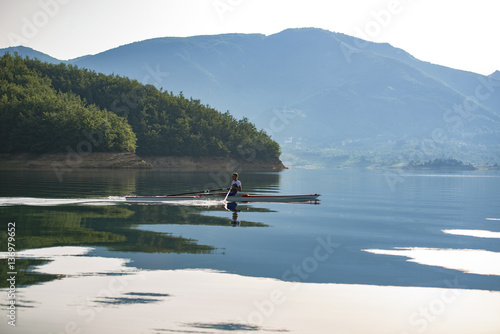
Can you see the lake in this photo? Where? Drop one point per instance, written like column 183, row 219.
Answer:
column 380, row 252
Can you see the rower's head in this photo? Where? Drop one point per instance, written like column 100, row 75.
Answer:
column 235, row 176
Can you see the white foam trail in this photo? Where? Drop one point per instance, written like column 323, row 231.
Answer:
column 492, row 218
column 111, row 200
column 34, row 201
column 201, row 203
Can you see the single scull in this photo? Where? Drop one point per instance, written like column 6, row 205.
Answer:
column 237, row 198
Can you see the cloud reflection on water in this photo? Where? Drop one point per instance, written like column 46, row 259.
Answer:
column 474, row 233
column 473, row 261
column 193, row 300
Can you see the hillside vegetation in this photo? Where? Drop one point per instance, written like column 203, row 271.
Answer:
column 48, row 107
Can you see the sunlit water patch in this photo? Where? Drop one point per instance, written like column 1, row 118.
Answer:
column 70, row 261
column 475, row 233
column 474, row 261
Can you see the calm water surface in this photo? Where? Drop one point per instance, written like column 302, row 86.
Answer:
column 383, row 245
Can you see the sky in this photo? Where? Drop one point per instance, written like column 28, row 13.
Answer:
column 461, row 34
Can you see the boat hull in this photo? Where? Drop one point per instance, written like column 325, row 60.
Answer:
column 162, row 198
column 272, row 198
column 237, row 198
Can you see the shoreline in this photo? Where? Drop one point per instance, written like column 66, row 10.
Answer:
column 100, row 160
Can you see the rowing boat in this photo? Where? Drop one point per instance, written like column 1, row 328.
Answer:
column 272, row 198
column 236, row 198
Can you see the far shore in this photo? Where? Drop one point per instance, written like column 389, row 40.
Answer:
column 98, row 160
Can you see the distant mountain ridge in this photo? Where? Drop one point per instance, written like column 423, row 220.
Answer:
column 29, row 52
column 325, row 94
column 495, row 75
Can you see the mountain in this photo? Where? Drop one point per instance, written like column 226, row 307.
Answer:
column 325, row 96
column 29, row 52
column 495, row 75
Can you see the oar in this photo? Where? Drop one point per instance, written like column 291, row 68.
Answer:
column 196, row 192
column 225, row 198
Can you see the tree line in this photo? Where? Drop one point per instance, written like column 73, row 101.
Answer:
column 46, row 107
column 440, row 164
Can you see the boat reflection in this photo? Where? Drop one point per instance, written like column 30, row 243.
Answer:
column 233, row 207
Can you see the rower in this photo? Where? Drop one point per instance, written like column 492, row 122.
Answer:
column 235, row 185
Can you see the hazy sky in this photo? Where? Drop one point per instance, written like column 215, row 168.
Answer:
column 461, row 34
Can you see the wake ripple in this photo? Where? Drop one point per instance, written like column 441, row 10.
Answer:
column 34, row 201
column 111, row 200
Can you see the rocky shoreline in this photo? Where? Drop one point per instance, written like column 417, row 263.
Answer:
column 97, row 160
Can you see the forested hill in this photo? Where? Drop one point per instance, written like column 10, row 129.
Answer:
column 46, row 108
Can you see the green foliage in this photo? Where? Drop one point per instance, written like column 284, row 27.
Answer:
column 52, row 106
column 34, row 117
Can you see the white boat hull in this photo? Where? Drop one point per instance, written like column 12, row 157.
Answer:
column 237, row 198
